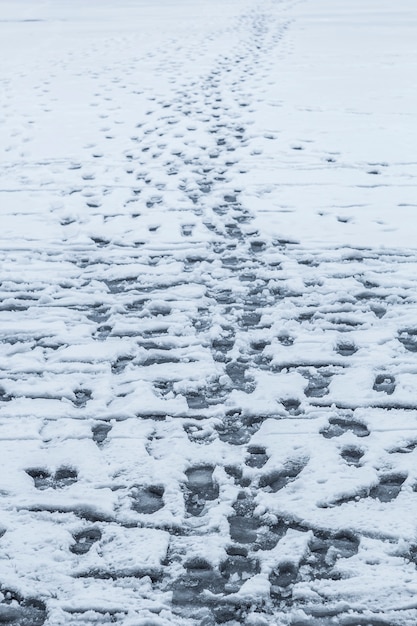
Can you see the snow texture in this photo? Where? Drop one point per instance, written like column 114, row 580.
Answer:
column 208, row 313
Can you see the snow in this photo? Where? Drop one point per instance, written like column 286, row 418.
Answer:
column 207, row 313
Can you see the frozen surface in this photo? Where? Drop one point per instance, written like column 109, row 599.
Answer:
column 208, row 311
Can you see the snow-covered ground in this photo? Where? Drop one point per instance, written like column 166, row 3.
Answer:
column 208, row 312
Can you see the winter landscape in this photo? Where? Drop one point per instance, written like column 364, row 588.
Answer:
column 208, row 314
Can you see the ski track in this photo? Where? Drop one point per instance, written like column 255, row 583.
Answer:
column 201, row 422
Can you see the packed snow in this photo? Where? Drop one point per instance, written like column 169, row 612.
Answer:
column 208, row 313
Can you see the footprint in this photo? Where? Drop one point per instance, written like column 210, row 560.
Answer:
column 81, row 397
column 257, row 456
column 243, row 529
column 199, row 489
column 84, row 540
column 187, row 230
column 257, row 245
column 385, row 383
column 64, row 477
column 378, row 310
column 147, row 500
column 285, row 339
column 230, row 261
column 100, row 241
column 259, row 345
column 408, row 337
column 243, row 525
column 236, row 370
column 281, row 577
column 224, row 296
column 236, row 473
column 340, row 425
column 41, row 478
column 100, row 432
column 238, row 430
column 223, row 344
column 120, row 364
column 196, row 401
column 199, row 434
column 346, row 349
column 238, row 567
column 388, row 487
column 205, row 186
column 199, row 577
column 405, row 449
column 4, row 396
column 325, row 549
column 15, row 609
column 344, row 545
column 318, row 384
column 352, row 455
column 292, row 406
column 102, row 333
column 229, row 613
column 277, row 480
column 250, row 318
column 270, row 534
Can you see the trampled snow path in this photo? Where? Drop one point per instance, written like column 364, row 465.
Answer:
column 208, row 313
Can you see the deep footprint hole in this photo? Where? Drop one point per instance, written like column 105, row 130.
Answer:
column 388, row 487
column 64, row 477
column 384, row 383
column 200, row 488
column 84, row 540
column 243, row 525
column 346, row 349
column 100, row 432
column 81, row 397
column 41, row 477
column 352, row 455
column 284, row 575
column 147, row 500
column 408, row 338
